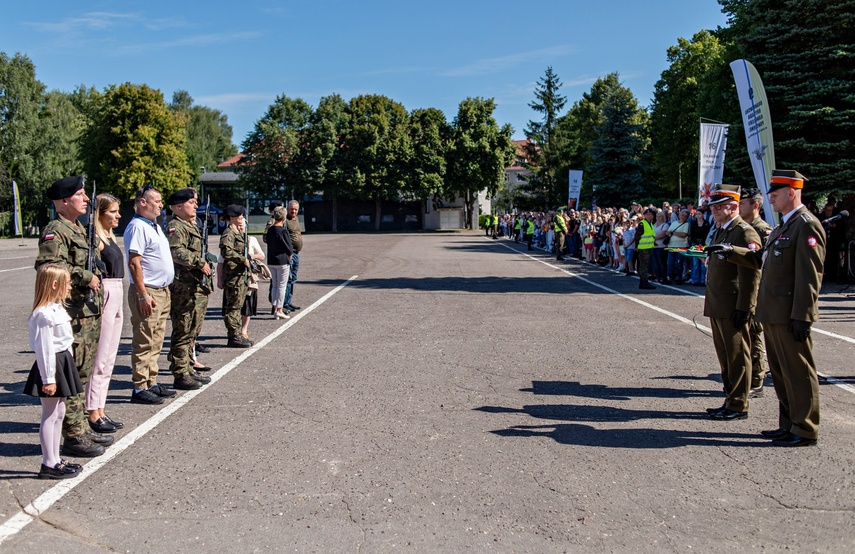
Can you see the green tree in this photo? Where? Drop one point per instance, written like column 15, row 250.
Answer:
column 273, row 166
column 578, row 131
column 617, row 174
column 544, row 149
column 378, row 150
column 429, row 133
column 38, row 133
column 134, row 140
column 478, row 153
column 325, row 161
column 675, row 111
column 805, row 53
column 209, row 135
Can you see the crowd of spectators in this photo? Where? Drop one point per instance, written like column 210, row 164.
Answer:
column 606, row 237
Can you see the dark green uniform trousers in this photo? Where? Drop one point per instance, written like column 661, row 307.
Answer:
column 796, row 382
column 188, row 313
column 87, row 331
column 234, row 295
column 731, row 346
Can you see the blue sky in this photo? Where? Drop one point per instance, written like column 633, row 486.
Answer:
column 237, row 56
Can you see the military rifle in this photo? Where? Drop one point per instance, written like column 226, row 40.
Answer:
column 91, row 260
column 208, row 280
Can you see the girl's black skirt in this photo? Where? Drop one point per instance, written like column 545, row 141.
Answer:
column 67, row 378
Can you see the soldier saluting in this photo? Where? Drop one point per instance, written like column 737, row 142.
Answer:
column 64, row 241
column 790, row 281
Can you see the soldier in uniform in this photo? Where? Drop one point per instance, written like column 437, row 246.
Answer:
column 749, row 211
column 235, row 276
column 790, row 281
column 64, row 242
column 731, row 298
column 190, row 289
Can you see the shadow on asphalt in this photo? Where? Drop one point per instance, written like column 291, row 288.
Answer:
column 486, row 285
column 586, row 435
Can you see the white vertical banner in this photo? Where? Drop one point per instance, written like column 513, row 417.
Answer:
column 758, row 128
column 19, row 228
column 575, row 189
column 711, row 153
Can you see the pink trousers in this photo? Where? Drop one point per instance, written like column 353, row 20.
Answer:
column 108, row 344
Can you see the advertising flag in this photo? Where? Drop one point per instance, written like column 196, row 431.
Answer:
column 19, row 229
column 758, row 128
column 711, row 152
column 575, row 189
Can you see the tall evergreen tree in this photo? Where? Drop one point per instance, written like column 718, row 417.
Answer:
column 804, row 51
column 544, row 186
column 617, row 174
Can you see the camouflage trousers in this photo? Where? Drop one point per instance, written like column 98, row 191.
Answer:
column 758, row 372
column 189, row 305
column 86, row 331
column 234, row 295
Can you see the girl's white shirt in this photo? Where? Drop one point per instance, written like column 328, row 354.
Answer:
column 49, row 330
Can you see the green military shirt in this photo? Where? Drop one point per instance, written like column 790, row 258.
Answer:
column 763, row 229
column 185, row 243
column 63, row 242
column 232, row 249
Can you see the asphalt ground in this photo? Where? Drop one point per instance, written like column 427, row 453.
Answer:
column 441, row 393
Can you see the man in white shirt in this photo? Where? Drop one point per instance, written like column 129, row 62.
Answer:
column 151, row 272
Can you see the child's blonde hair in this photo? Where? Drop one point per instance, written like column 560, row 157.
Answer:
column 46, row 293
column 104, row 202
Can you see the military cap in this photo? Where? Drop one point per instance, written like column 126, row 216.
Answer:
column 65, row 187
column 561, row 209
column 650, row 211
column 724, row 193
column 234, row 210
column 787, row 178
column 180, row 196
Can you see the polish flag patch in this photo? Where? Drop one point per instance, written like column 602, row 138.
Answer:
column 170, row 230
column 812, row 241
column 753, row 246
column 49, row 236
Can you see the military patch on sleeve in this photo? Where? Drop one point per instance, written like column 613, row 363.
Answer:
column 170, row 230
column 753, row 246
column 812, row 241
column 50, row 236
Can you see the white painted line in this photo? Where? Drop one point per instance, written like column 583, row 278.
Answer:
column 16, row 269
column 47, row 499
column 831, row 380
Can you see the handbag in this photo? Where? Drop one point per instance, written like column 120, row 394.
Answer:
column 666, row 240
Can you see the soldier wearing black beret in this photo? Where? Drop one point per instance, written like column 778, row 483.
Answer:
column 235, row 275
column 64, row 242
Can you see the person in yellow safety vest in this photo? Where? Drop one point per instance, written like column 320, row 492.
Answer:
column 560, row 228
column 495, row 226
column 517, row 227
column 644, row 242
column 529, row 230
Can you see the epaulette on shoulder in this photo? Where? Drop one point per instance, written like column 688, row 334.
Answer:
column 807, row 217
column 745, row 225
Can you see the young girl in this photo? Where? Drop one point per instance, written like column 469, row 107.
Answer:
column 54, row 375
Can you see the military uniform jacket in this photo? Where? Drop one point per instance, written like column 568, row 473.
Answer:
column 232, row 248
column 732, row 287
column 185, row 243
column 791, row 273
column 64, row 242
column 763, row 229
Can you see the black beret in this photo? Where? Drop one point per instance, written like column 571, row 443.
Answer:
column 64, row 187
column 234, row 210
column 180, row 196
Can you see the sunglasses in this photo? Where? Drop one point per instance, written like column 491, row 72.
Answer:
column 144, row 190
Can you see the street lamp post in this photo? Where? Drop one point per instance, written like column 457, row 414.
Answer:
column 680, row 181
